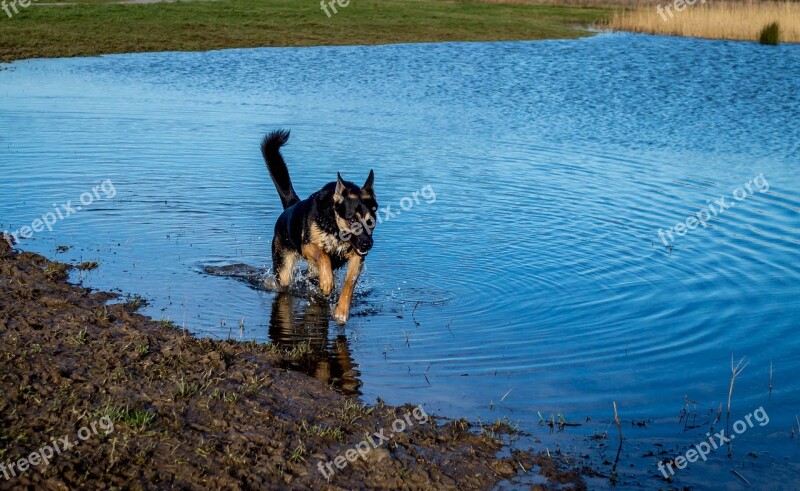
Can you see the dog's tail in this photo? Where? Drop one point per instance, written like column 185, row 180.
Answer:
column 271, row 150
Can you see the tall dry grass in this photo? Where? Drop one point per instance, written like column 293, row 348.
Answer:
column 714, row 20
column 580, row 3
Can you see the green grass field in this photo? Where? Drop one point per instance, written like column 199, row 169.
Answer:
column 92, row 27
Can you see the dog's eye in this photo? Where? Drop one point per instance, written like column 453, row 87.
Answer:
column 352, row 219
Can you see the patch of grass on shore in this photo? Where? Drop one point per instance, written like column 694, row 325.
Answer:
column 97, row 27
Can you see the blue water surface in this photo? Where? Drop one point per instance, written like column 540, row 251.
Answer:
column 526, row 280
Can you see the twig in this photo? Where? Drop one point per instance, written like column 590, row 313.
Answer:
column 770, row 380
column 619, row 450
column 686, row 413
column 412, row 312
column 735, row 473
column 735, row 371
column 718, row 418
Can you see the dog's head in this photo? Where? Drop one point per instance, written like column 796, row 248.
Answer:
column 356, row 213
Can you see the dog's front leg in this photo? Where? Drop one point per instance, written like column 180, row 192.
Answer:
column 343, row 307
column 322, row 262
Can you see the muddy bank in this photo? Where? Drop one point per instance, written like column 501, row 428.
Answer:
column 96, row 395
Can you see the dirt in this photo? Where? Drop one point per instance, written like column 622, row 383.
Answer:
column 163, row 409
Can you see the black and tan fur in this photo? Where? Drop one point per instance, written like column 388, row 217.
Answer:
column 329, row 229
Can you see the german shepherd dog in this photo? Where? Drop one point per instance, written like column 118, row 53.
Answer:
column 331, row 227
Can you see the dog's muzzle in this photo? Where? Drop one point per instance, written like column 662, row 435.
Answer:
column 362, row 245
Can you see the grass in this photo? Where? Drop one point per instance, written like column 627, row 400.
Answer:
column 87, row 266
column 135, row 302
column 255, row 385
column 167, row 324
column 81, row 337
column 135, row 419
column 92, row 27
column 226, row 397
column 185, row 390
column 300, row 350
column 322, row 431
column 770, row 34
column 351, row 411
column 57, row 271
column 582, row 3
column 744, row 21
column 299, row 453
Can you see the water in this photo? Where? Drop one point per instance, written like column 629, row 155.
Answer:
column 527, row 279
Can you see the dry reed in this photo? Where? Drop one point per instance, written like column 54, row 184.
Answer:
column 579, row 3
column 713, row 19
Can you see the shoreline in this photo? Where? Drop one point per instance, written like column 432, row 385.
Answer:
column 94, row 27
column 91, row 28
column 153, row 405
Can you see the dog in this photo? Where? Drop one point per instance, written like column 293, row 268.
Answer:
column 329, row 229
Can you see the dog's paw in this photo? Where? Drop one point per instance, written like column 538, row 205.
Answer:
column 326, row 285
column 341, row 315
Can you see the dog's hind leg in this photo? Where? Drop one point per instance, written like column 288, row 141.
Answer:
column 342, row 312
column 322, row 263
column 283, row 262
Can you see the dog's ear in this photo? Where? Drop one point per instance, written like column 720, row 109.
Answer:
column 368, row 186
column 338, row 195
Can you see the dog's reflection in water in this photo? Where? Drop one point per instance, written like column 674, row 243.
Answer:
column 291, row 324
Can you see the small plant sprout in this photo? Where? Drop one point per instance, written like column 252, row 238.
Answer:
column 735, row 371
